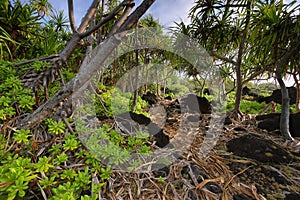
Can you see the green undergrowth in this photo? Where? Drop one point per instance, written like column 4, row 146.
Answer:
column 52, row 161
column 111, row 102
column 64, row 167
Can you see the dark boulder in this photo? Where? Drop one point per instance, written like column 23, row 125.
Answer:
column 130, row 123
column 160, row 170
column 271, row 122
column 260, row 149
column 168, row 98
column 247, row 91
column 208, row 91
column 277, row 98
column 193, row 103
column 150, row 98
column 241, row 197
column 292, row 196
column 192, row 195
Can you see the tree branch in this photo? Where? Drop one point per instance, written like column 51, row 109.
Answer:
column 82, row 78
column 108, row 17
column 47, row 58
column 212, row 53
column 122, row 19
column 71, row 15
column 88, row 16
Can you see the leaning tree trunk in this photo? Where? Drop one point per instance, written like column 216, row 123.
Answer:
column 89, row 69
column 285, row 108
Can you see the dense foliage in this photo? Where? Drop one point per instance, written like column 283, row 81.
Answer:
column 49, row 160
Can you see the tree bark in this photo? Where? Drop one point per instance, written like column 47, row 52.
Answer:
column 136, row 84
column 285, row 108
column 87, row 72
column 71, row 15
column 239, row 83
column 79, row 34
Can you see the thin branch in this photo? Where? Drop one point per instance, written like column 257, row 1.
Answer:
column 285, row 58
column 108, row 17
column 136, row 15
column 71, row 15
column 212, row 53
column 82, row 79
column 122, row 19
column 47, row 58
column 252, row 76
column 88, row 16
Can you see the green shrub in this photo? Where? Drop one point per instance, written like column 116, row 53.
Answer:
column 114, row 102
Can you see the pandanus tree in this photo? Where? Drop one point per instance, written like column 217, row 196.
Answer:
column 20, row 22
column 222, row 28
column 126, row 19
column 43, row 7
column 275, row 39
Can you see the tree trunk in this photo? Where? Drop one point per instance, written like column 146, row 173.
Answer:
column 239, row 87
column 86, row 73
column 239, row 83
column 285, row 108
column 136, row 84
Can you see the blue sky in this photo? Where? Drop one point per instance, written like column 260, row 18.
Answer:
column 167, row 11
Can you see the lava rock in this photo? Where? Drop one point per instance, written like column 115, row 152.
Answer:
column 200, row 176
column 277, row 98
column 150, row 98
column 241, row 197
column 168, row 98
column 267, row 116
column 160, row 170
column 247, row 91
column 208, row 91
column 192, row 195
column 214, row 188
column 271, row 122
column 292, row 196
column 194, row 103
column 130, row 122
column 260, row 149
column 227, row 121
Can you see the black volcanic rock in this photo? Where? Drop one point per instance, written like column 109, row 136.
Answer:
column 247, row 91
column 208, row 91
column 129, row 123
column 193, row 103
column 271, row 122
column 150, row 98
column 277, row 98
column 260, row 149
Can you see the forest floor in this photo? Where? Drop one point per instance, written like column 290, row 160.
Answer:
column 240, row 162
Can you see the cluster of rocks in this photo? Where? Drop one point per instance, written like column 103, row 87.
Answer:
column 248, row 146
column 271, row 123
column 275, row 96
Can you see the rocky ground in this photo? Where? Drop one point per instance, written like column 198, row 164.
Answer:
column 236, row 160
